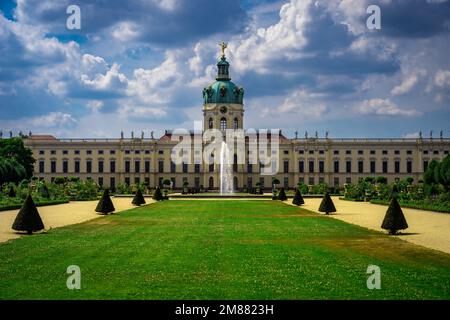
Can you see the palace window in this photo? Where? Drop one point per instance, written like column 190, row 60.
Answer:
column 137, row 166
column 210, row 123
column 100, row 166
column 311, row 166
column 321, row 166
column 286, row 166
column 301, row 166
column 348, row 168
column 77, row 166
column 372, row 166
column 397, row 166
column 223, row 124
column 65, row 166
column 235, row 123
column 112, row 166
column 409, row 166
column 360, row 166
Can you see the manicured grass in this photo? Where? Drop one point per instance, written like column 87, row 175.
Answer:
column 219, row 250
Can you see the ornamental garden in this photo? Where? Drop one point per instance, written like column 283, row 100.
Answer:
column 284, row 245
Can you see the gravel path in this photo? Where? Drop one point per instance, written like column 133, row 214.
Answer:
column 62, row 215
column 426, row 228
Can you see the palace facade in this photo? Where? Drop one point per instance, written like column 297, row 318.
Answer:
column 310, row 160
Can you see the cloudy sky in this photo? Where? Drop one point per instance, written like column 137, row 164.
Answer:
column 305, row 64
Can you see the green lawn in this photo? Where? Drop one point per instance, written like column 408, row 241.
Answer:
column 219, row 250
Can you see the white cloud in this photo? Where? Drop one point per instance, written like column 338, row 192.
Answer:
column 406, row 86
column 95, row 105
column 157, row 85
column 442, row 78
column 412, row 135
column 125, row 31
column 111, row 80
column 140, row 113
column 281, row 40
column 52, row 120
column 299, row 102
column 384, row 107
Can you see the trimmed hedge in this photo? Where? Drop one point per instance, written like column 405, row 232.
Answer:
column 439, row 207
column 38, row 204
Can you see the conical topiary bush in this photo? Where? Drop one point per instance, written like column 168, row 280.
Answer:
column 138, row 198
column 158, row 195
column 28, row 218
column 394, row 219
column 12, row 192
column 282, row 195
column 105, row 204
column 298, row 199
column 327, row 204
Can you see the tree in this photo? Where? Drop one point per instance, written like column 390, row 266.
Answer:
column 381, row 180
column 138, row 198
column 282, row 195
column 158, row 195
column 105, row 205
column 12, row 192
column 28, row 218
column 44, row 191
column 11, row 170
column 14, row 148
column 298, row 199
column 429, row 176
column 444, row 173
column 394, row 219
column 327, row 204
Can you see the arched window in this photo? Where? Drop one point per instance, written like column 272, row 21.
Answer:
column 210, row 123
column 211, row 183
column 235, row 123
column 223, row 124
column 235, row 183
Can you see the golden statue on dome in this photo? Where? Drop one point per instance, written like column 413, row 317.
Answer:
column 223, row 46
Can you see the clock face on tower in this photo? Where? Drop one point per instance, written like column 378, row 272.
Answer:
column 223, row 109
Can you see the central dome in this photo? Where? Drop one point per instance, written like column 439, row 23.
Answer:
column 223, row 90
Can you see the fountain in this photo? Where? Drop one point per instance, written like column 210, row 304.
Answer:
column 226, row 170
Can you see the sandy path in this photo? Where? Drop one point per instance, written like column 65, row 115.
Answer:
column 62, row 215
column 426, row 228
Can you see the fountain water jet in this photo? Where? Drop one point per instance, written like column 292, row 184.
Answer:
column 226, row 170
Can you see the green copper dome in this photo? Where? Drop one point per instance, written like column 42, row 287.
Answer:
column 223, row 90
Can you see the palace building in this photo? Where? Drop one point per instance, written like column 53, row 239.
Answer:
column 310, row 160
